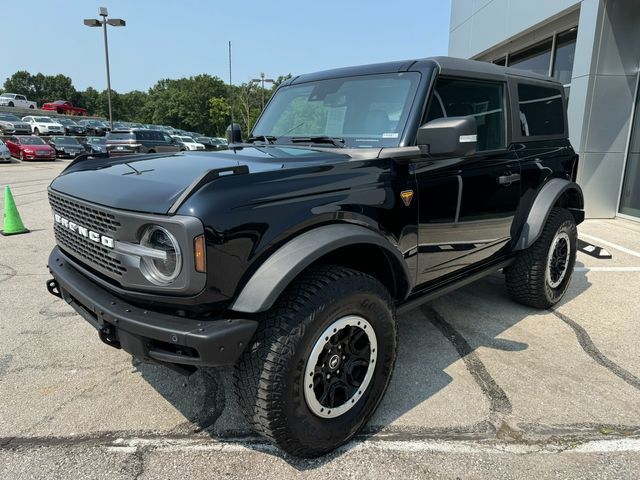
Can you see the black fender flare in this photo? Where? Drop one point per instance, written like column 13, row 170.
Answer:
column 541, row 206
column 276, row 272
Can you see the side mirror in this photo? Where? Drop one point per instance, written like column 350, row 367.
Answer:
column 234, row 133
column 452, row 136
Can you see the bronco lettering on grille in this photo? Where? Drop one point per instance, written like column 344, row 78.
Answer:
column 84, row 232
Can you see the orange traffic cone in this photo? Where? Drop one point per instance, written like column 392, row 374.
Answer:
column 11, row 223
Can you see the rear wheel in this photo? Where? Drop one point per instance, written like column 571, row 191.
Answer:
column 31, row 107
column 540, row 275
column 320, row 361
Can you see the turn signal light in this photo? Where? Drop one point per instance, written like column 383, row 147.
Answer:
column 200, row 259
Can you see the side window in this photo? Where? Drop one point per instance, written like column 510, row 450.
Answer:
column 482, row 100
column 541, row 111
column 20, row 97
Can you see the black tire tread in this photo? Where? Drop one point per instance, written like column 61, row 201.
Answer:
column 261, row 368
column 525, row 277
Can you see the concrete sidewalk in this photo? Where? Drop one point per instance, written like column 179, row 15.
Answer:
column 483, row 387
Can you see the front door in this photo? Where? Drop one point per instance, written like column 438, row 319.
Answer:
column 466, row 205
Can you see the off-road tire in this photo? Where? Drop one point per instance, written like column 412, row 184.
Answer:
column 526, row 277
column 270, row 375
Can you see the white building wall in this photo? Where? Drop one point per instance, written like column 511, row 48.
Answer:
column 480, row 25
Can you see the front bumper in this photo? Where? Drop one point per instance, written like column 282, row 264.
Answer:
column 147, row 334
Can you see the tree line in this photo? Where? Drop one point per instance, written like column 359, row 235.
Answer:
column 201, row 103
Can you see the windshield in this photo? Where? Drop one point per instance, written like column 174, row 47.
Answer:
column 43, row 120
column 97, row 140
column 364, row 111
column 8, row 117
column 66, row 121
column 31, row 141
column 187, row 139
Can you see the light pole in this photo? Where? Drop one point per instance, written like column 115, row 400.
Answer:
column 114, row 22
column 263, row 80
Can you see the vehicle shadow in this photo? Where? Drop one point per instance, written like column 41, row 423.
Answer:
column 430, row 344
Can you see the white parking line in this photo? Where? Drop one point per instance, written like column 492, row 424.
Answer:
column 411, row 446
column 607, row 269
column 610, row 244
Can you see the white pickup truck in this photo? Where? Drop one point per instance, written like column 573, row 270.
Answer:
column 16, row 100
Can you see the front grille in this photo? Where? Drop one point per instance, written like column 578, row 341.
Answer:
column 90, row 217
column 93, row 219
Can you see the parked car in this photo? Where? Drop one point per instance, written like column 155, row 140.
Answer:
column 96, row 144
column 64, row 107
column 213, row 143
column 94, row 127
column 121, row 125
column 71, row 127
column 291, row 255
column 5, row 154
column 188, row 142
column 66, row 147
column 43, row 125
column 124, row 142
column 28, row 147
column 16, row 100
column 12, row 125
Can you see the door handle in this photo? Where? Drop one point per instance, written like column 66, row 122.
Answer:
column 507, row 180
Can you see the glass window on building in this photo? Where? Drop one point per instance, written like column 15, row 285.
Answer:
column 535, row 59
column 565, row 51
column 630, row 198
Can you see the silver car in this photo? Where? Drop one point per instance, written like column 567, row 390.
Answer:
column 5, row 155
column 12, row 125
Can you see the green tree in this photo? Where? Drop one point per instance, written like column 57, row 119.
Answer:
column 220, row 115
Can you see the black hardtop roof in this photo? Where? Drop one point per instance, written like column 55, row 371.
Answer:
column 451, row 66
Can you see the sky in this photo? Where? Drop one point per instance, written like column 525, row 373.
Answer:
column 173, row 39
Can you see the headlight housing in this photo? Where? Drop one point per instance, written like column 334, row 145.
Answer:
column 164, row 267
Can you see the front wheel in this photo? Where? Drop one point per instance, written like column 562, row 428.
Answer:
column 320, row 361
column 10, row 104
column 540, row 275
column 36, row 131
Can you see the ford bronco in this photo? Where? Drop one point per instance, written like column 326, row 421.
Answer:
column 361, row 192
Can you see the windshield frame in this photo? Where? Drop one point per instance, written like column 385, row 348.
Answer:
column 356, row 140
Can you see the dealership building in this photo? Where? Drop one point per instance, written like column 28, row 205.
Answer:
column 593, row 48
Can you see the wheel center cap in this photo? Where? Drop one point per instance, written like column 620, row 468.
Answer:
column 334, row 361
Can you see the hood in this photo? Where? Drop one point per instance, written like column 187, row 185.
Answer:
column 36, row 147
column 15, row 123
column 152, row 183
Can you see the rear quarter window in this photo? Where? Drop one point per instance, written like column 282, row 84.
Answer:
column 541, row 110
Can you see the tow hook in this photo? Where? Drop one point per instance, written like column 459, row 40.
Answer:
column 53, row 288
column 107, row 334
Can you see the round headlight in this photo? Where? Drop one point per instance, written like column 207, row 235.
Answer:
column 156, row 269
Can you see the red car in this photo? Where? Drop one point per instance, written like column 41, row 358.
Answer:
column 64, row 107
column 30, row 148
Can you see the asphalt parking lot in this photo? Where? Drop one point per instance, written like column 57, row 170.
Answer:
column 483, row 387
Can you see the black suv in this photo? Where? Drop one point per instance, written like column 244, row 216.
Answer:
column 361, row 192
column 140, row 140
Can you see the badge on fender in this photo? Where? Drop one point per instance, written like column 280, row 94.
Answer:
column 406, row 196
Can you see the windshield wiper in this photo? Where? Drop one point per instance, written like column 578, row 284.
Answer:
column 262, row 138
column 335, row 141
